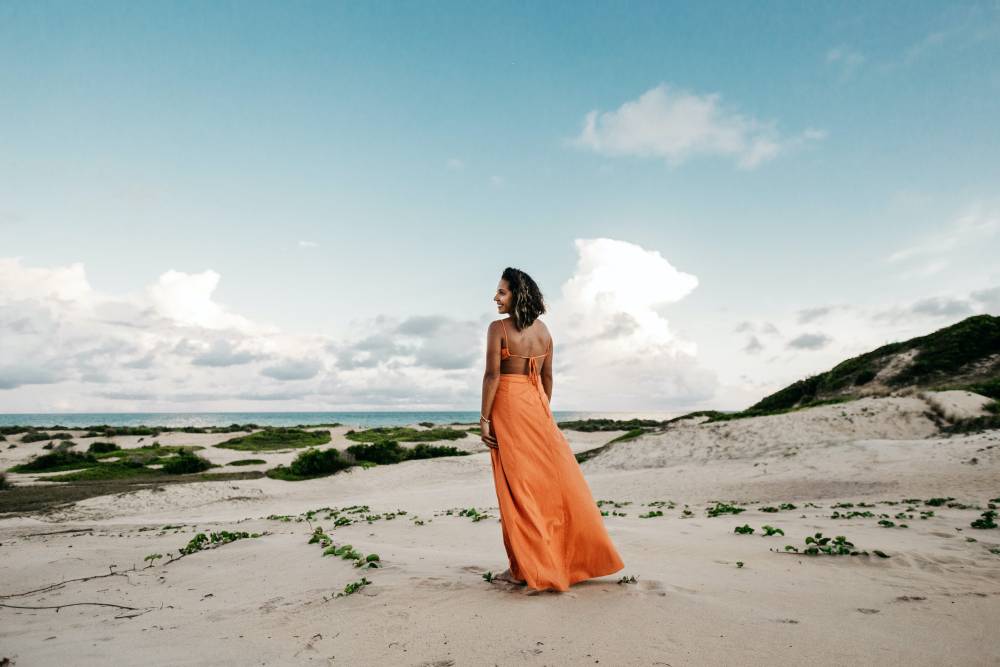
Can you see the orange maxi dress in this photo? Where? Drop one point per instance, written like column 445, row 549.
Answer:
column 553, row 531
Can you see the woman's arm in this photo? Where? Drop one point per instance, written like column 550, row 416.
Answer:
column 491, row 380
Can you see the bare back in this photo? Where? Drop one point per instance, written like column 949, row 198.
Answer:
column 519, row 348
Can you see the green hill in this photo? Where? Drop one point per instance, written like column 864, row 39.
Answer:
column 965, row 355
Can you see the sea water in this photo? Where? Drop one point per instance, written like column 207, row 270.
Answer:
column 351, row 419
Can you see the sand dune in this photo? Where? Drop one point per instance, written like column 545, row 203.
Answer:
column 270, row 599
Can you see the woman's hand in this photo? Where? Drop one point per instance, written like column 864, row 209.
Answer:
column 488, row 437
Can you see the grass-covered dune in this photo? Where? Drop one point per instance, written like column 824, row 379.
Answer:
column 271, row 439
column 965, row 355
column 106, row 461
column 405, row 434
column 593, row 425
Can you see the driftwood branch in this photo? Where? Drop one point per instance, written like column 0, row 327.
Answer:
column 57, row 607
column 60, row 532
column 60, row 584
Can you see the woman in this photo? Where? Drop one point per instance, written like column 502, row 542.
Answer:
column 552, row 529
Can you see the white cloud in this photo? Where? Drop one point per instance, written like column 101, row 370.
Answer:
column 677, row 126
column 455, row 164
column 308, row 244
column 186, row 298
column 167, row 342
column 614, row 349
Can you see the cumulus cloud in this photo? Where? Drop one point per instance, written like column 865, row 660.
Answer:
column 677, row 125
column 186, row 299
column 809, row 341
column 56, row 330
column 615, row 349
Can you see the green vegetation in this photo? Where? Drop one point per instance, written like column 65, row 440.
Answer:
column 831, row 546
column 40, row 436
column 724, row 508
column 4, row 484
column 149, row 453
column 185, row 463
column 345, row 551
column 470, row 512
column 340, row 516
column 354, row 587
column 592, row 425
column 941, row 356
column 711, row 414
column 405, row 434
column 386, row 452
column 110, row 464
column 277, row 438
column 57, row 461
column 974, row 424
column 26, row 498
column 745, row 529
column 310, row 464
column 102, row 447
column 105, row 471
column 246, row 462
column 631, row 435
column 201, row 542
column 987, row 520
column 989, row 388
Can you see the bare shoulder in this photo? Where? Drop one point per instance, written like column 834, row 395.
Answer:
column 545, row 329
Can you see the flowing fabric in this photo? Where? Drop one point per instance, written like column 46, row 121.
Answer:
column 553, row 531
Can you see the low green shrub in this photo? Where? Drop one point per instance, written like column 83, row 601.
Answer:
column 185, row 463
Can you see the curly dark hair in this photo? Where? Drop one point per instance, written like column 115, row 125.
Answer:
column 526, row 298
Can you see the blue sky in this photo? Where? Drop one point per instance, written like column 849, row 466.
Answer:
column 342, row 169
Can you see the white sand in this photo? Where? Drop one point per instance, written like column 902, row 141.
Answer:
column 935, row 601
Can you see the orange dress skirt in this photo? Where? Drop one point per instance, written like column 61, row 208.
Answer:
column 553, row 531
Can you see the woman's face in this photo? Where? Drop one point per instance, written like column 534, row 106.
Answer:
column 503, row 297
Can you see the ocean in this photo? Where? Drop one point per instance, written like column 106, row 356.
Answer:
column 352, row 419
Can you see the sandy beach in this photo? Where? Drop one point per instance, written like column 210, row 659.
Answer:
column 702, row 594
